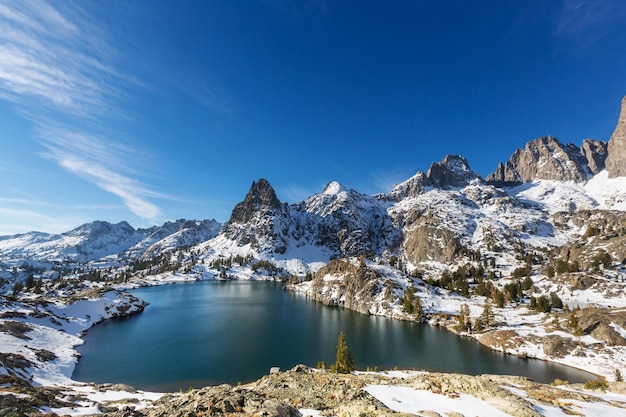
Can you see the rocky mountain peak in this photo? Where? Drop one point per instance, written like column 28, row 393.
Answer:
column 334, row 188
column 452, row 171
column 260, row 196
column 547, row 158
column 616, row 158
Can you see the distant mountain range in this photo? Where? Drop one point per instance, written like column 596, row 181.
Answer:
column 435, row 216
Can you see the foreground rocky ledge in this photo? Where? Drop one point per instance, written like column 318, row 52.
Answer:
column 304, row 391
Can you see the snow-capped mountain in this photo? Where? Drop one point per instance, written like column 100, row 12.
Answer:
column 99, row 239
column 437, row 216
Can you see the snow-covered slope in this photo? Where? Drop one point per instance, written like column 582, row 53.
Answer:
column 88, row 242
column 99, row 239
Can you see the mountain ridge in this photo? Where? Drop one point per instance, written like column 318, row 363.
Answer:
column 344, row 222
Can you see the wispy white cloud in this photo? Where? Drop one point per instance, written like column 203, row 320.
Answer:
column 212, row 98
column 21, row 220
column 296, row 194
column 90, row 159
column 592, row 19
column 57, row 64
column 384, row 181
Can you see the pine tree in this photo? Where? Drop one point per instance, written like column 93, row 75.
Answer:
column 345, row 362
column 487, row 316
column 463, row 319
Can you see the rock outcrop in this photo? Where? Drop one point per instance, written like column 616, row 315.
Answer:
column 616, row 159
column 595, row 152
column 343, row 284
column 605, row 235
column 284, row 394
column 260, row 220
column 546, row 158
column 453, row 171
column 261, row 196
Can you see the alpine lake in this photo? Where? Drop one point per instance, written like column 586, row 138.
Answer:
column 215, row 332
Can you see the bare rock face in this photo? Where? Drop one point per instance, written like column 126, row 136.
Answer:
column 452, row 171
column 429, row 241
column 548, row 159
column 343, row 284
column 261, row 195
column 260, row 219
column 595, row 152
column 412, row 187
column 616, row 159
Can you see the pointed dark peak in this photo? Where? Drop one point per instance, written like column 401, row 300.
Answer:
column 260, row 196
column 616, row 158
column 452, row 171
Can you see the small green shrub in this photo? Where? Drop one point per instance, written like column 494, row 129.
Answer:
column 595, row 384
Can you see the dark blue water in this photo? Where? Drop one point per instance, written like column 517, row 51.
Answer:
column 208, row 333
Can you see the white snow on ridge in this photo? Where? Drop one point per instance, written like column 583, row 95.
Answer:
column 334, row 188
column 600, row 192
column 409, row 400
column 609, row 192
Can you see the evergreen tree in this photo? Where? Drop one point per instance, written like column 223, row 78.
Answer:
column 487, row 316
column 543, row 304
column 29, row 282
column 527, row 283
column 463, row 319
column 555, row 300
column 345, row 362
column 38, row 285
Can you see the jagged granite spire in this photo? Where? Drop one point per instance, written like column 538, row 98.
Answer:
column 616, row 159
column 452, row 171
column 261, row 195
column 545, row 158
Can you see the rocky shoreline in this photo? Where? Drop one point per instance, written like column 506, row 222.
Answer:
column 304, row 391
column 597, row 345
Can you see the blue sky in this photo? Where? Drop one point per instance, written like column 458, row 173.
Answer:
column 148, row 111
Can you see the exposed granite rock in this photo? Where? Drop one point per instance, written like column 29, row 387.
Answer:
column 285, row 393
column 595, row 152
column 557, row 346
column 599, row 322
column 260, row 219
column 345, row 221
column 343, row 284
column 260, row 196
column 545, row 158
column 412, row 187
column 451, row 172
column 616, row 159
column 429, row 241
column 605, row 230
